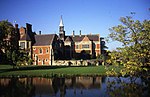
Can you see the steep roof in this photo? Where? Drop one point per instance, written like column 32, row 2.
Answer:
column 92, row 37
column 86, row 38
column 25, row 37
column 68, row 39
column 42, row 40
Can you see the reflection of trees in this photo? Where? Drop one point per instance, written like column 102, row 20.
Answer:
column 146, row 83
column 15, row 88
column 58, row 84
column 127, row 87
column 103, row 79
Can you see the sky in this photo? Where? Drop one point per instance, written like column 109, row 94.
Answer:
column 89, row 16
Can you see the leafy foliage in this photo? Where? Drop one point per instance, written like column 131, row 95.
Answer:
column 128, row 87
column 9, row 49
column 8, row 36
column 134, row 53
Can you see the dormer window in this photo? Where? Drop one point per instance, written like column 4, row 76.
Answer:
column 22, row 45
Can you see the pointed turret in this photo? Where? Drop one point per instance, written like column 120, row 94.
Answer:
column 61, row 29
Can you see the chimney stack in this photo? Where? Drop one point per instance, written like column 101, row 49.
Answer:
column 80, row 33
column 29, row 27
column 39, row 32
column 73, row 33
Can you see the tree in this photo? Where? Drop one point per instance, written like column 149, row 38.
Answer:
column 135, row 38
column 9, row 37
column 23, row 59
column 6, row 31
column 14, row 58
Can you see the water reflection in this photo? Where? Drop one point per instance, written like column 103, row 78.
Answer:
column 128, row 87
column 16, row 88
column 74, row 87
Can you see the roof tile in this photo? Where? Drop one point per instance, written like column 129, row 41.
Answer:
column 42, row 40
column 78, row 38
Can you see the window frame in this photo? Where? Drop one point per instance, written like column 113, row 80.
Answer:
column 47, row 50
column 77, row 46
column 40, row 51
column 22, row 45
column 85, row 46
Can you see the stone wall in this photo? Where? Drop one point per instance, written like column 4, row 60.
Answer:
column 76, row 63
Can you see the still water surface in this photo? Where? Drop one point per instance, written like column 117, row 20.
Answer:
column 75, row 87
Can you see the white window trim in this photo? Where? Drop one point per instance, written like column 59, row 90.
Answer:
column 39, row 51
column 47, row 50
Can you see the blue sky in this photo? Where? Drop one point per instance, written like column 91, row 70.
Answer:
column 89, row 16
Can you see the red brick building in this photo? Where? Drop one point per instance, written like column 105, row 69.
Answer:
column 44, row 48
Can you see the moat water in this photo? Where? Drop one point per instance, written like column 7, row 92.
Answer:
column 75, row 87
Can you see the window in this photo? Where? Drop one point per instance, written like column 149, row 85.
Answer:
column 40, row 50
column 43, row 62
column 36, row 58
column 47, row 50
column 46, row 60
column 34, row 55
column 39, row 60
column 34, row 48
column 85, row 46
column 98, row 46
column 22, row 45
column 77, row 47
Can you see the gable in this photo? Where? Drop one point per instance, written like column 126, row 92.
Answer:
column 68, row 39
column 86, row 39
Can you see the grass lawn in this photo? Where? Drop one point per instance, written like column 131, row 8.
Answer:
column 51, row 71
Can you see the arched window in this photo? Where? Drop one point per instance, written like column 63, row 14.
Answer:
column 40, row 51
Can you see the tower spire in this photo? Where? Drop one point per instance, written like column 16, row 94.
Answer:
column 61, row 22
column 61, row 30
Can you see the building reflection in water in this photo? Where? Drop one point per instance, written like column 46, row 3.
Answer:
column 75, row 87
column 47, row 87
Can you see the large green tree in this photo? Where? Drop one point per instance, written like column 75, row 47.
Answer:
column 9, row 37
column 135, row 51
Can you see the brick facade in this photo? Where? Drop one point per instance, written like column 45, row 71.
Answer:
column 45, row 48
column 41, row 55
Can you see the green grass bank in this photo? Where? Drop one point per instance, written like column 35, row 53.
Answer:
column 53, row 71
